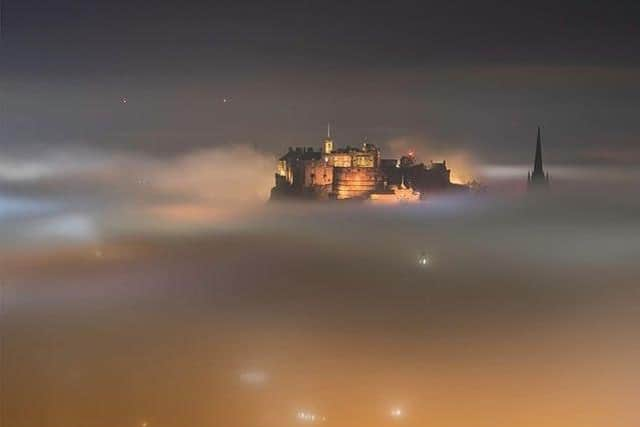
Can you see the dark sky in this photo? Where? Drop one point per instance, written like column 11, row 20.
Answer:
column 460, row 75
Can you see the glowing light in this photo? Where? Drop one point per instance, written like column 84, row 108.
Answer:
column 124, row 100
column 424, row 260
column 309, row 417
column 396, row 413
column 254, row 377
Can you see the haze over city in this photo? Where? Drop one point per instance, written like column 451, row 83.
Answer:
column 183, row 241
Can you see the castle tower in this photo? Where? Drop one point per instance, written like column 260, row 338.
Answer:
column 327, row 144
column 537, row 178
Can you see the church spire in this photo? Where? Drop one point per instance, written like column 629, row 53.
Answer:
column 538, row 177
column 537, row 165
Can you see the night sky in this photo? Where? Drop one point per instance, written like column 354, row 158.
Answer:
column 477, row 77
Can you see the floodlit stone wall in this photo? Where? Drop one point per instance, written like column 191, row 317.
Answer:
column 355, row 182
column 317, row 172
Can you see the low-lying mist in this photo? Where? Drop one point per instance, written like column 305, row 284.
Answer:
column 87, row 196
column 323, row 314
column 149, row 292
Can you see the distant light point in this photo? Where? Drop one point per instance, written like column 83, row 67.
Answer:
column 424, row 260
column 310, row 418
column 124, row 100
column 396, row 413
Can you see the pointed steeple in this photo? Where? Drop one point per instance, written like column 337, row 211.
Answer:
column 537, row 165
column 537, row 178
column 327, row 144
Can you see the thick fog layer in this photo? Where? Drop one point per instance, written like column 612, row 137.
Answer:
column 523, row 313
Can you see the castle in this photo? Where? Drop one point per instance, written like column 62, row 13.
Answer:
column 356, row 173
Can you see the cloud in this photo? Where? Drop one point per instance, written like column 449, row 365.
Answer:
column 71, row 226
column 238, row 175
column 210, row 185
column 604, row 174
column 115, row 191
column 612, row 155
column 49, row 164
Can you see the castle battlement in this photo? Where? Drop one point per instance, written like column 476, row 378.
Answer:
column 356, row 173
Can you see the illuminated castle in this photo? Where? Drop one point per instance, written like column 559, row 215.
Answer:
column 356, row 173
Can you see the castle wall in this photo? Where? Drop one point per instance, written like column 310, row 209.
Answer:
column 397, row 195
column 364, row 160
column 317, row 172
column 355, row 173
column 423, row 179
column 355, row 182
column 340, row 160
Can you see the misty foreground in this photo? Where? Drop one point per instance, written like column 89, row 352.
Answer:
column 526, row 316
